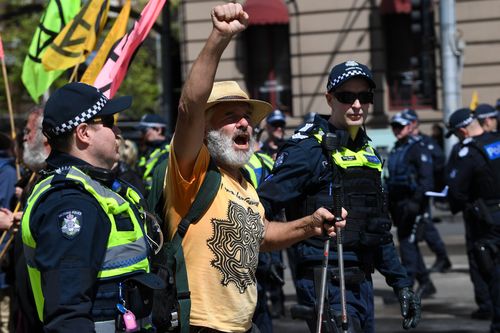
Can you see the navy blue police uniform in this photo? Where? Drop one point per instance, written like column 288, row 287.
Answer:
column 85, row 245
column 300, row 183
column 431, row 234
column 473, row 177
column 410, row 176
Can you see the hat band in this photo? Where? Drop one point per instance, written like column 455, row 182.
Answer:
column 143, row 124
column 231, row 97
column 79, row 119
column 491, row 114
column 338, row 79
column 464, row 123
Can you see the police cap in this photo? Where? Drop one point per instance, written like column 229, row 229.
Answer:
column 76, row 103
column 346, row 71
column 484, row 111
column 459, row 119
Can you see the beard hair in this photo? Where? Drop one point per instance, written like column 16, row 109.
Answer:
column 34, row 154
column 220, row 147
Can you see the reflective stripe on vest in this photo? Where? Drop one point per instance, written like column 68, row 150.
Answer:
column 126, row 250
column 346, row 158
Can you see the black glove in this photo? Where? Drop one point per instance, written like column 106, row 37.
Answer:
column 410, row 307
column 276, row 273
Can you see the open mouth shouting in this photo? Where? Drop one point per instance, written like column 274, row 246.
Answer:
column 241, row 140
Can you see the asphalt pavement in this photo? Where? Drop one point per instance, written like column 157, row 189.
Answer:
column 446, row 311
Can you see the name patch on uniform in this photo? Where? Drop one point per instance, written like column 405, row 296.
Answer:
column 372, row 159
column 493, row 150
column 348, row 158
column 70, row 223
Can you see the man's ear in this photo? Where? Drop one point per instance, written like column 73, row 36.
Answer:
column 83, row 133
column 329, row 99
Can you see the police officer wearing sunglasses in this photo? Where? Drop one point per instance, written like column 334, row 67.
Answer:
column 86, row 247
column 303, row 179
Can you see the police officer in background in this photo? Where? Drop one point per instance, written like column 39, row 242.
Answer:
column 85, row 246
column 302, row 181
column 275, row 129
column 431, row 234
column 487, row 117
column 410, row 176
column 269, row 272
column 157, row 146
column 473, row 177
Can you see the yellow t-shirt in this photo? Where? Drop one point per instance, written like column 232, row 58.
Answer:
column 221, row 250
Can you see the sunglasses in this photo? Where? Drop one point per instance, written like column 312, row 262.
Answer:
column 106, row 121
column 347, row 97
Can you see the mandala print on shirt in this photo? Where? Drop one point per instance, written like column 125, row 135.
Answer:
column 235, row 244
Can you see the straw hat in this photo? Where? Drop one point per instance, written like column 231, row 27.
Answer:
column 230, row 92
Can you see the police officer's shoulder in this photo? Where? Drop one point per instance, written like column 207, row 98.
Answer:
column 69, row 208
column 305, row 132
column 465, row 149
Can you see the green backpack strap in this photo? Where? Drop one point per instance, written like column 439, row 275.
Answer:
column 204, row 198
column 155, row 198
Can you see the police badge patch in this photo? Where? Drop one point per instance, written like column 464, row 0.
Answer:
column 280, row 159
column 70, row 223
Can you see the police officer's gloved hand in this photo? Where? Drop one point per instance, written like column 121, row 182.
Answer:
column 410, row 307
column 274, row 273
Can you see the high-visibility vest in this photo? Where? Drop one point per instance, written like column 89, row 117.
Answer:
column 127, row 251
column 258, row 167
column 148, row 163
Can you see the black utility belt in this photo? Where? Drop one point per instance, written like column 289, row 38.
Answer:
column 352, row 275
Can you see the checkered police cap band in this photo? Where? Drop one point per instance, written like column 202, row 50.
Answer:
column 344, row 76
column 491, row 114
column 464, row 122
column 71, row 124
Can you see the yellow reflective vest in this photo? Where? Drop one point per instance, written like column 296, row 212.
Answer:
column 127, row 251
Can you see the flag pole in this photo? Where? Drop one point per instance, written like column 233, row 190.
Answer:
column 9, row 106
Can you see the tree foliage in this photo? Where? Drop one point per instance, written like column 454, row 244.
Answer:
column 17, row 32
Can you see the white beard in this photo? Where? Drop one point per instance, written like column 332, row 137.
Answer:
column 34, row 155
column 221, row 149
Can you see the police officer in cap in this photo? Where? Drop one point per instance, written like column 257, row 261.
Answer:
column 303, row 179
column 157, row 146
column 85, row 245
column 473, row 177
column 487, row 117
column 431, row 234
column 410, row 176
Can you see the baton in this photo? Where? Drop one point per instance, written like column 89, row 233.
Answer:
column 331, row 145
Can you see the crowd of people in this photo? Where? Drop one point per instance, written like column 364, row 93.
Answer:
column 81, row 245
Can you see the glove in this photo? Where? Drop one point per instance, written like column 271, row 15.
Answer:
column 275, row 273
column 410, row 307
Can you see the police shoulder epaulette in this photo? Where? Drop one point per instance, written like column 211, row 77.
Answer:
column 467, row 141
column 304, row 132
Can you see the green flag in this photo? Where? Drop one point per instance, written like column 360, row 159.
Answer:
column 57, row 14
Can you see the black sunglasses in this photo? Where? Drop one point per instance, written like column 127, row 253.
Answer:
column 348, row 97
column 106, row 121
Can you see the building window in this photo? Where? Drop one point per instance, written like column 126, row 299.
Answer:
column 267, row 71
column 266, row 50
column 410, row 55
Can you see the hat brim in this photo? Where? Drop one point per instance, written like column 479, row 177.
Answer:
column 260, row 109
column 115, row 105
column 449, row 133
